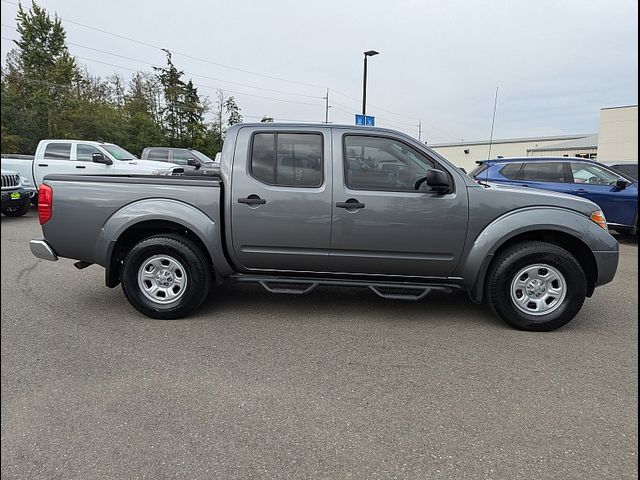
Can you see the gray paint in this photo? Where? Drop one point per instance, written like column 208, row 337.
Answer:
column 399, row 235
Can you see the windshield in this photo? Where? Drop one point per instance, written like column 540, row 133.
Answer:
column 117, row 152
column 201, row 156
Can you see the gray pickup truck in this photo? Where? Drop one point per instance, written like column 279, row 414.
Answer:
column 298, row 206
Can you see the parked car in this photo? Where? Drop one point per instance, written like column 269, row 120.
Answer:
column 79, row 157
column 615, row 193
column 630, row 169
column 16, row 200
column 191, row 160
column 296, row 206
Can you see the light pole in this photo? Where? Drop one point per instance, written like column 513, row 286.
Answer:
column 369, row 53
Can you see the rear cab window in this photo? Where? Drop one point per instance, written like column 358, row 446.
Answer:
column 158, row 154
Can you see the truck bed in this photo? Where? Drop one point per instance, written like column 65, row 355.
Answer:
column 87, row 204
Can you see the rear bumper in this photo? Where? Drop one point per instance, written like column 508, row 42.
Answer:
column 22, row 196
column 607, row 265
column 41, row 249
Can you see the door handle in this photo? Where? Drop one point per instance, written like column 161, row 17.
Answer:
column 43, row 164
column 581, row 190
column 351, row 204
column 252, row 200
column 80, row 166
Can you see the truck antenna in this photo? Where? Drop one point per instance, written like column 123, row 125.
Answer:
column 493, row 121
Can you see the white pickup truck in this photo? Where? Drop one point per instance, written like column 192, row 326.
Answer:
column 71, row 157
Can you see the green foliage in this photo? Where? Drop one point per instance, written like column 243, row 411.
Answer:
column 46, row 95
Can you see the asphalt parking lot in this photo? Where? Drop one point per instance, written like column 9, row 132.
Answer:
column 336, row 384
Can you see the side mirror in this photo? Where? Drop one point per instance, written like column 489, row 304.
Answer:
column 438, row 180
column 621, row 184
column 99, row 158
column 192, row 162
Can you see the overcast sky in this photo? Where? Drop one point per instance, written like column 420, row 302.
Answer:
column 556, row 62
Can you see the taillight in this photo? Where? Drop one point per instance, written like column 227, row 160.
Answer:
column 45, row 203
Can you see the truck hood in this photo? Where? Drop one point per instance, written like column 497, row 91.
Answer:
column 150, row 164
column 535, row 197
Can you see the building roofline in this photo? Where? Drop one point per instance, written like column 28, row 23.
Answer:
column 513, row 140
column 620, row 106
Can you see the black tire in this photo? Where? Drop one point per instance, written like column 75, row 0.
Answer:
column 17, row 210
column 198, row 272
column 510, row 262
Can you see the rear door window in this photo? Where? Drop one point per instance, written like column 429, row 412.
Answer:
column 511, row 170
column 543, row 172
column 58, row 151
column 287, row 159
column 158, row 154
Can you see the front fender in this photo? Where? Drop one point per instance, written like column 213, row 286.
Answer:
column 207, row 230
column 474, row 265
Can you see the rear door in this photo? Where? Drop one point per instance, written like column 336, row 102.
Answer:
column 56, row 158
column 544, row 175
column 281, row 199
column 381, row 224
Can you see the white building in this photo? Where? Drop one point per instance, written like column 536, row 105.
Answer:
column 616, row 141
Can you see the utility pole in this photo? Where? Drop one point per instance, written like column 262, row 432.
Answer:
column 326, row 107
column 419, row 130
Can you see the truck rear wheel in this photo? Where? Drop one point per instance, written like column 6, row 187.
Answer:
column 166, row 276
column 536, row 286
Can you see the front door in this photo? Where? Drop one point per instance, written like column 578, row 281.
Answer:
column 281, row 200
column 381, row 224
column 599, row 185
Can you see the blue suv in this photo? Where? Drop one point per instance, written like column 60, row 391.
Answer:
column 615, row 192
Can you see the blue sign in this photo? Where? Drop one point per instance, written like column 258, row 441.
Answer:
column 365, row 120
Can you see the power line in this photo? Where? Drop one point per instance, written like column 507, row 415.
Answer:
column 140, row 42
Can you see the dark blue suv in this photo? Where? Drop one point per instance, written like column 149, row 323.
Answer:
column 615, row 192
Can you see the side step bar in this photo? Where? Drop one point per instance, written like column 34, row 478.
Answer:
column 304, row 285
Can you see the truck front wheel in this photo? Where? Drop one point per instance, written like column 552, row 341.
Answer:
column 166, row 276
column 536, row 286
column 18, row 209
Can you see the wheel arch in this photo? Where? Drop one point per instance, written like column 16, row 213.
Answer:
column 571, row 231
column 153, row 217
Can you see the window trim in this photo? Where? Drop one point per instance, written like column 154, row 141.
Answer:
column 563, row 164
column 275, row 157
column 436, row 164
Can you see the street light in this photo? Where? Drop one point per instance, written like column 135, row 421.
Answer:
column 369, row 53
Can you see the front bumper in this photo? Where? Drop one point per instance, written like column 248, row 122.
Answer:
column 41, row 249
column 607, row 262
column 16, row 196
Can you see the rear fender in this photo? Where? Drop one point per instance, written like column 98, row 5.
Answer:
column 207, row 230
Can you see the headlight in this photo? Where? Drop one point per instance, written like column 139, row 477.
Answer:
column 599, row 218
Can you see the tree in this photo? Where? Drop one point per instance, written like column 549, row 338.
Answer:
column 39, row 78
